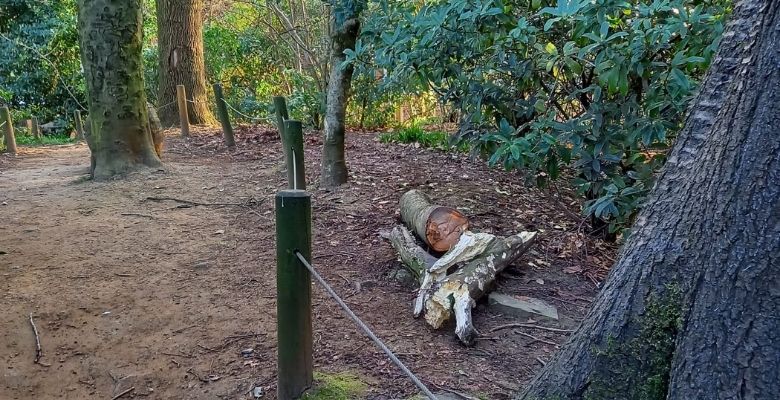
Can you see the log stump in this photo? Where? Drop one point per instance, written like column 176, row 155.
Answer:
column 438, row 226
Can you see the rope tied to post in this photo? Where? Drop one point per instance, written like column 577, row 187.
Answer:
column 239, row 112
column 365, row 327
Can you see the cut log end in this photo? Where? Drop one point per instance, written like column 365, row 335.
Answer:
column 444, row 227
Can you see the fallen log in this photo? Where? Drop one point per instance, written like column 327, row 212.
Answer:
column 457, row 293
column 414, row 258
column 438, row 226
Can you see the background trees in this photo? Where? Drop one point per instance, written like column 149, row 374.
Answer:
column 345, row 28
column 181, row 59
column 592, row 91
column 40, row 71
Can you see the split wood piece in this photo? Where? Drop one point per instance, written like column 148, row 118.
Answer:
column 414, row 258
column 439, row 227
column 457, row 292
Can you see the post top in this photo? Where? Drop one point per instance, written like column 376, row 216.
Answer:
column 286, row 193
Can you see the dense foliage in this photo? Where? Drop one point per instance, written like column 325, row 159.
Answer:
column 40, row 70
column 599, row 86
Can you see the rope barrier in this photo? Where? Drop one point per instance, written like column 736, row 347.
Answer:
column 239, row 112
column 165, row 105
column 365, row 328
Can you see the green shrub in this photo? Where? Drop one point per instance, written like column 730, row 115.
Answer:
column 600, row 87
column 415, row 133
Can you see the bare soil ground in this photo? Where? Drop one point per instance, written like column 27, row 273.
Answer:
column 128, row 292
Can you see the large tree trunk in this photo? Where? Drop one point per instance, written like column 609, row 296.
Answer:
column 344, row 32
column 180, row 41
column 110, row 34
column 689, row 310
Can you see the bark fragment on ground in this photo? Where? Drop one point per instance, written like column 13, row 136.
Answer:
column 457, row 293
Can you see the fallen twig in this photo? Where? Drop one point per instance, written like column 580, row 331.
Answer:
column 192, row 203
column 519, row 325
column 137, row 215
column 38, row 351
column 123, row 393
column 249, row 205
column 536, row 339
column 541, row 361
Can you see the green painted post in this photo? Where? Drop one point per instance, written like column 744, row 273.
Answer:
column 280, row 105
column 293, row 294
column 293, row 141
column 224, row 117
column 8, row 129
column 79, row 124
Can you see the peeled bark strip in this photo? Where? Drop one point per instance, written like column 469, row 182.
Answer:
column 438, row 226
column 110, row 42
column 155, row 127
column 180, row 36
column 414, row 258
column 469, row 246
column 458, row 292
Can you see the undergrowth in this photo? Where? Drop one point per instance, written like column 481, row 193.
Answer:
column 415, row 133
column 45, row 140
column 340, row 386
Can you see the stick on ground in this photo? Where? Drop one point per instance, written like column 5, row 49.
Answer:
column 123, row 393
column 532, row 326
column 38, row 351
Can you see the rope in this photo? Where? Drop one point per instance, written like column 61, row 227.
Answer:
column 365, row 328
column 163, row 106
column 239, row 112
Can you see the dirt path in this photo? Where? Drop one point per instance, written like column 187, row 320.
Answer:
column 129, row 292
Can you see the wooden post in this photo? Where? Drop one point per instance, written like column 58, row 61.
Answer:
column 293, row 141
column 184, row 119
column 8, row 129
column 280, row 105
column 293, row 294
column 224, row 117
column 36, row 128
column 79, row 124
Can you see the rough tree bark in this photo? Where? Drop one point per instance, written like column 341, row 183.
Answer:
column 689, row 310
column 438, row 226
column 180, row 37
column 110, row 37
column 345, row 27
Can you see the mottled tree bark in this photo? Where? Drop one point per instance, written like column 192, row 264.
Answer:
column 180, row 41
column 344, row 33
column 119, row 136
column 689, row 310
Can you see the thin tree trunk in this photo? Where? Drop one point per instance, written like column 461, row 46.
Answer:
column 180, row 37
column 119, row 137
column 344, row 34
column 689, row 310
